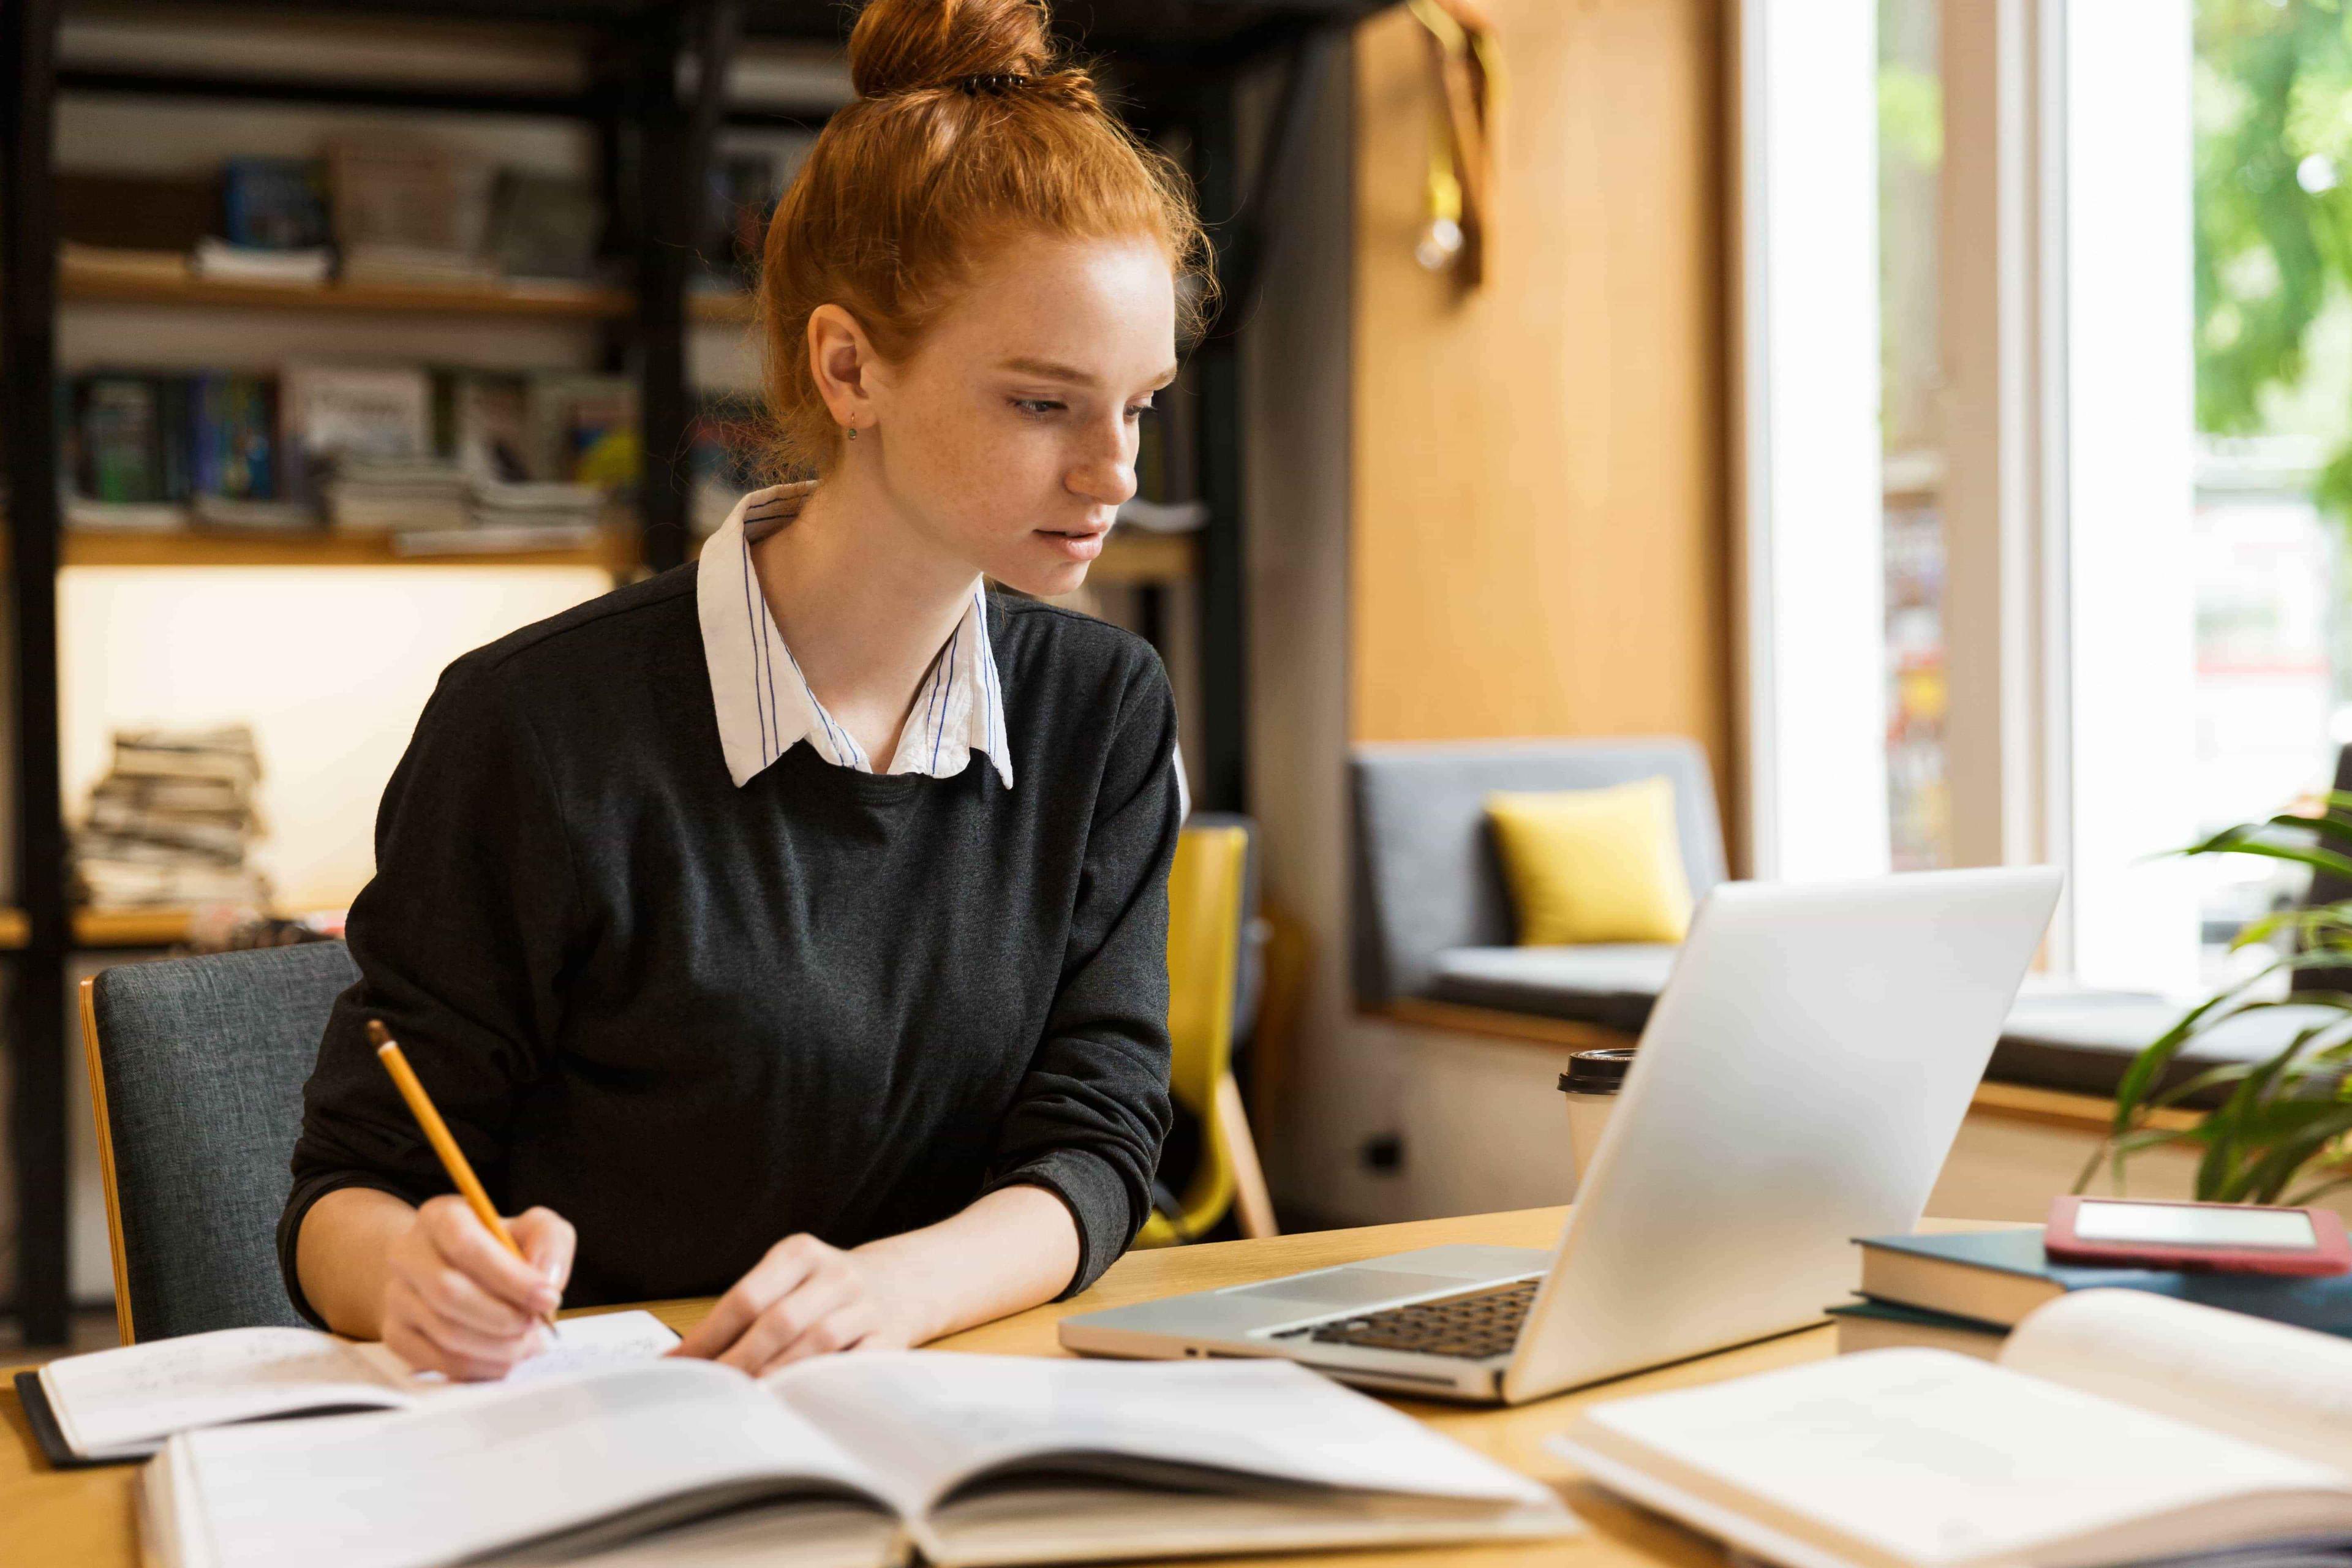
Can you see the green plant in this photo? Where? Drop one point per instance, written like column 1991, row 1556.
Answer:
column 2283, row 1135
column 2273, row 112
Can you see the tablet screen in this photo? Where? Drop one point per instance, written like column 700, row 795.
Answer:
column 2178, row 1224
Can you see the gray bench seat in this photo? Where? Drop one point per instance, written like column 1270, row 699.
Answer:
column 2082, row 1041
column 1433, row 921
column 1608, row 984
column 2077, row 1041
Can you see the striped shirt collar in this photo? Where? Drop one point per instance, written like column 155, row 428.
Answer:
column 764, row 705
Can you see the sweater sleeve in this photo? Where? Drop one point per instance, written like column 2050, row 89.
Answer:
column 1093, row 1109
column 460, row 940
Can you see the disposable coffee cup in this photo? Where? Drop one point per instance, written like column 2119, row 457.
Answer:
column 1590, row 1085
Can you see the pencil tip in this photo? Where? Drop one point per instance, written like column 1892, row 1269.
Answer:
column 378, row 1035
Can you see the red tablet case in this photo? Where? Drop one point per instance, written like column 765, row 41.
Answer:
column 2333, row 1255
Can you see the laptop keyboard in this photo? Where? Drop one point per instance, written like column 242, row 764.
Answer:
column 1474, row 1326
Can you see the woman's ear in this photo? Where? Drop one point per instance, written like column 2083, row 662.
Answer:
column 842, row 363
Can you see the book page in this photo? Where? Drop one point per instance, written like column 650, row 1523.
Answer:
column 2283, row 1387
column 485, row 1467
column 818, row 1534
column 108, row 1401
column 1060, row 1523
column 931, row 1420
column 582, row 1344
column 1923, row 1456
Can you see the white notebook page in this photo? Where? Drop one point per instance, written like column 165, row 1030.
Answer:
column 581, row 1344
column 122, row 1400
column 109, row 1399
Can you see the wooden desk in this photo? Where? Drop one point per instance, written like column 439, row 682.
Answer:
column 83, row 1518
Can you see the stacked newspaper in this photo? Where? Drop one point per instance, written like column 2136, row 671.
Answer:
column 385, row 494
column 514, row 515
column 171, row 822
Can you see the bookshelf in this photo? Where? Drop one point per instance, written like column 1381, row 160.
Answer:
column 86, row 279
column 653, row 94
column 615, row 553
column 101, row 929
column 82, row 281
column 1131, row 558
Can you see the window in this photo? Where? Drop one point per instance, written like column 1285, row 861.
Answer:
column 1910, row 166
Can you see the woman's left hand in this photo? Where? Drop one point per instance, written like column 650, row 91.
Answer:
column 804, row 1299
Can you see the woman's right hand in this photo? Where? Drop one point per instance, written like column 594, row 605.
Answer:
column 457, row 1301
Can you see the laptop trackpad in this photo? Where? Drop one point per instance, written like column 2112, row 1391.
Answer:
column 1353, row 1287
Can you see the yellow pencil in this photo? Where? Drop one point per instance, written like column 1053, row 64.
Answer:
column 437, row 1133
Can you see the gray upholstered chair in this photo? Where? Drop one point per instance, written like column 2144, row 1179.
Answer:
column 196, row 1068
column 1433, row 917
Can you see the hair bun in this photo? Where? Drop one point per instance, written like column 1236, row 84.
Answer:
column 907, row 45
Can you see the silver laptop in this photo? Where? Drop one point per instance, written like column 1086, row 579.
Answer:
column 1799, row 1083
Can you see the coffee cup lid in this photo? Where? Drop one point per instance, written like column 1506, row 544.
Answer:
column 1599, row 1071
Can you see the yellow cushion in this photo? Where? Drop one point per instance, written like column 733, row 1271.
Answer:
column 1593, row 865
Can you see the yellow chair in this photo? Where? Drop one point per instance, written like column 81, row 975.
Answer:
column 1205, row 892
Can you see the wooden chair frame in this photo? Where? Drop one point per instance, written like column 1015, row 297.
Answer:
column 94, row 1060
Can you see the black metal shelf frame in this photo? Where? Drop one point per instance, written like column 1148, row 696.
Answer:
column 1178, row 64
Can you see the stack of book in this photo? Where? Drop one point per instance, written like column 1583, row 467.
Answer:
column 273, row 224
column 400, row 211
column 514, row 515
column 1965, row 1292
column 410, row 213
column 172, row 821
column 385, row 495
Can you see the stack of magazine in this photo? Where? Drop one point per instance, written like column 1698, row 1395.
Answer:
column 383, row 495
column 172, row 822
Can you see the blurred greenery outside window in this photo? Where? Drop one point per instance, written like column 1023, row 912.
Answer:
column 2273, row 109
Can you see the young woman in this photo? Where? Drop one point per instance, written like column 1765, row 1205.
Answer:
column 792, row 925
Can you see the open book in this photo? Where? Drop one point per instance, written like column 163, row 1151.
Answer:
column 2115, row 1425
column 846, row 1461
column 118, row 1404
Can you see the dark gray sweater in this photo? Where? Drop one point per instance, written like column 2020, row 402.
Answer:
column 696, row 1019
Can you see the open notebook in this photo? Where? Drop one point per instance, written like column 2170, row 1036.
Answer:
column 2115, row 1426
column 847, row 1461
column 119, row 1405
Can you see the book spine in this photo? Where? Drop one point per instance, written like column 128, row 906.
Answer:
column 118, row 420
column 174, row 436
column 207, row 444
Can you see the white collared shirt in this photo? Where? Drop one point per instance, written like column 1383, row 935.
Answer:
column 764, row 702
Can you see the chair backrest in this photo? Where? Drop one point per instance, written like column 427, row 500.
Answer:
column 1207, row 908
column 197, row 1069
column 1204, row 936
column 1425, row 874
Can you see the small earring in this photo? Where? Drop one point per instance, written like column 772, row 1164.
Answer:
column 853, row 432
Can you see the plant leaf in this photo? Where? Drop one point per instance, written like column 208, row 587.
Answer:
column 2266, row 1176
column 2232, row 841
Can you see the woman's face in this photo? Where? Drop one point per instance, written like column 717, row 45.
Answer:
column 1009, row 434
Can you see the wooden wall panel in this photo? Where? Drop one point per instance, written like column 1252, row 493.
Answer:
column 1539, row 542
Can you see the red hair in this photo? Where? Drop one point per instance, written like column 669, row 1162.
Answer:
column 969, row 127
